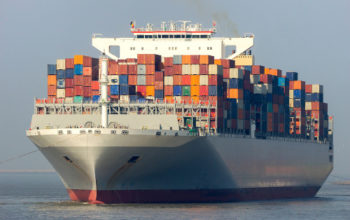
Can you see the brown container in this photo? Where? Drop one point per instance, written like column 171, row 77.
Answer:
column 152, row 59
column 159, row 85
column 112, row 67
column 51, row 80
column 316, row 106
column 78, row 90
column 87, row 81
column 168, row 61
column 132, row 80
column 78, row 80
column 195, row 59
column 206, row 59
column 226, row 73
column 131, row 60
column 168, row 90
column 69, row 83
column 213, row 80
column 51, row 90
column 168, row 71
column 87, row 91
column 177, row 69
column 226, row 63
column 141, row 58
column 122, row 69
column 257, row 69
column 203, row 69
column 159, row 76
column 132, row 69
column 69, row 92
column 150, row 79
column 150, row 69
column 69, row 63
column 177, row 80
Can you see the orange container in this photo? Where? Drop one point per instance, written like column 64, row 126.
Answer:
column 149, row 90
column 195, row 80
column 217, row 61
column 195, row 99
column 300, row 85
column 159, row 85
column 186, row 59
column 177, row 80
column 316, row 106
column 275, row 72
column 51, row 90
column 169, row 99
column 87, row 71
column 150, row 69
column 235, row 94
column 206, row 59
column 267, row 70
column 194, row 90
column 95, row 85
column 150, row 79
column 51, row 80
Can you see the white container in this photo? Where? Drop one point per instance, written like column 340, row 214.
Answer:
column 260, row 89
column 125, row 98
column 177, row 99
column 61, row 64
column 203, row 80
column 186, row 69
column 308, row 106
column 168, row 81
column 69, row 100
column 240, row 124
column 113, row 80
column 236, row 73
column 195, row 69
column 254, row 79
column 215, row 69
column 61, row 93
column 317, row 88
column 268, row 88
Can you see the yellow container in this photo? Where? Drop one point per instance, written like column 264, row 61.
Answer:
column 149, row 90
column 194, row 90
column 195, row 80
column 78, row 59
column 51, row 80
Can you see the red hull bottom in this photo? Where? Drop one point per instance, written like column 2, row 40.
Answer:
column 190, row 196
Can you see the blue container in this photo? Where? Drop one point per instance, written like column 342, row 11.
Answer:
column 61, row 74
column 235, row 83
column 215, row 91
column 114, row 89
column 78, row 69
column 141, row 100
column 86, row 99
column 69, row 73
column 124, row 90
column 177, row 90
column 281, row 81
column 297, row 103
column 297, row 94
column 317, row 97
column 246, row 95
column 292, row 76
column 308, row 97
column 133, row 98
column 159, row 94
column 248, row 68
column 123, row 79
column 132, row 90
column 95, row 98
column 51, row 69
column 177, row 59
column 269, row 98
column 60, row 84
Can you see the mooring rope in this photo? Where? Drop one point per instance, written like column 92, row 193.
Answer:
column 18, row 157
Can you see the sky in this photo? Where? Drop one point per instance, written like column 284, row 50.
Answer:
column 310, row 37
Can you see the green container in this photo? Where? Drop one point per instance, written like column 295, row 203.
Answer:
column 186, row 90
column 78, row 99
column 269, row 107
column 190, row 122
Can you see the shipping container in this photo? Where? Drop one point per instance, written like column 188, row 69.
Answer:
column 206, row 59
column 69, row 63
column 141, row 80
column 60, row 64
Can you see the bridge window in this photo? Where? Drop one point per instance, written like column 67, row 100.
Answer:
column 188, row 48
column 177, row 36
column 199, row 48
column 204, row 36
column 165, row 36
column 148, row 36
column 195, row 36
column 171, row 36
column 141, row 48
column 140, row 36
column 155, row 36
column 188, row 36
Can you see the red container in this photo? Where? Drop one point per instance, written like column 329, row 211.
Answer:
column 168, row 61
column 177, row 69
column 177, row 80
column 132, row 80
column 87, row 71
column 186, row 80
column 70, row 63
column 291, row 85
column 95, row 92
column 226, row 73
column 204, row 99
column 122, row 69
column 141, row 58
column 141, row 91
column 95, row 85
column 227, row 63
column 203, row 90
column 69, row 92
column 308, row 88
column 275, row 108
column 158, row 85
column 150, row 79
column 69, row 83
column 186, row 99
column 51, row 91
column 168, row 71
column 213, row 80
column 78, row 80
column 316, row 106
column 203, row 69
column 132, row 69
column 150, row 69
column 159, row 76
column 131, row 60
column 257, row 69
column 87, row 61
column 168, row 90
column 78, row 90
column 87, row 91
column 194, row 59
column 152, row 59
column 264, row 78
column 87, row 81
column 112, row 67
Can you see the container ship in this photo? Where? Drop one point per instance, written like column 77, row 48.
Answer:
column 174, row 114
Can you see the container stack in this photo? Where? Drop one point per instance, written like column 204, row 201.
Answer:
column 316, row 112
column 51, row 81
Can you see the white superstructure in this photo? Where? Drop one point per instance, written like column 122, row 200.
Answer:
column 172, row 39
